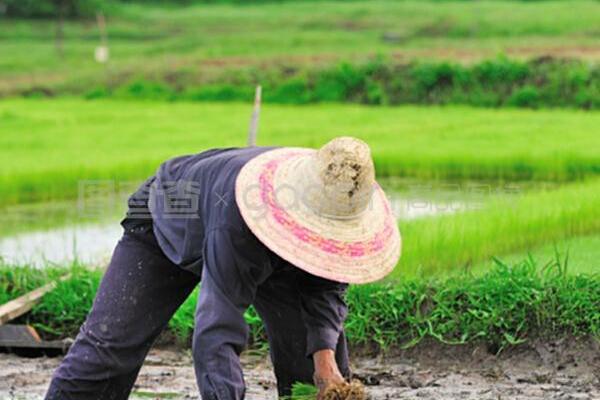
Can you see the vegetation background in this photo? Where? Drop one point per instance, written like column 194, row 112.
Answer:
column 460, row 92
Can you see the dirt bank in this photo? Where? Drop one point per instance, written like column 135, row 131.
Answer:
column 564, row 370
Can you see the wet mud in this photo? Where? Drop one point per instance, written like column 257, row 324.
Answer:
column 550, row 370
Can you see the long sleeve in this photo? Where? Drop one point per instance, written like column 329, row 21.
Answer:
column 323, row 311
column 234, row 265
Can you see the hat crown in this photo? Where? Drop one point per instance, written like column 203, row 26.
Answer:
column 303, row 204
column 346, row 175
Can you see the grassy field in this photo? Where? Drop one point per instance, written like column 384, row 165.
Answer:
column 204, row 40
column 583, row 253
column 532, row 301
column 499, row 82
column 461, row 278
column 445, row 244
column 504, row 226
column 41, row 141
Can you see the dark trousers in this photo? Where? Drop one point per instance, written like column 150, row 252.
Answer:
column 139, row 293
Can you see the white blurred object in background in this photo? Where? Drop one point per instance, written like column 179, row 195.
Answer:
column 101, row 54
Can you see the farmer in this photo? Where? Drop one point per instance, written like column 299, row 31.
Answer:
column 282, row 229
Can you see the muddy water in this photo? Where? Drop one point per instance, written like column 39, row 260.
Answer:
column 559, row 370
column 88, row 229
column 88, row 244
column 60, row 232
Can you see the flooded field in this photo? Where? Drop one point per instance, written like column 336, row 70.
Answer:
column 87, row 229
column 481, row 115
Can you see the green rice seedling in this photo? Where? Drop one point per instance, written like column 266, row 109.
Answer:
column 448, row 243
column 141, row 394
column 507, row 305
column 63, row 310
column 387, row 315
column 99, row 142
column 583, row 251
column 303, row 391
column 17, row 281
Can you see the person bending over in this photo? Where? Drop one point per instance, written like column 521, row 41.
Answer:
column 283, row 229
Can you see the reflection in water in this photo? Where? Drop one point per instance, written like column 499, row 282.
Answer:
column 60, row 232
column 92, row 243
column 417, row 208
column 89, row 244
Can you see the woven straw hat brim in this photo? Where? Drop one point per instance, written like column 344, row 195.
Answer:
column 358, row 250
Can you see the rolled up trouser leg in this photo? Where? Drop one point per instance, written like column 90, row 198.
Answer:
column 139, row 292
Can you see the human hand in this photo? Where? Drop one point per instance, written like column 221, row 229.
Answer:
column 327, row 372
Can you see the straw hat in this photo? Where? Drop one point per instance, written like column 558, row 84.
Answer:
column 321, row 210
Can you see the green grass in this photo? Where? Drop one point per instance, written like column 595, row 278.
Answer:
column 303, row 391
column 49, row 146
column 126, row 141
column 202, row 40
column 445, row 286
column 61, row 311
column 583, row 253
column 17, row 281
column 499, row 82
column 140, row 394
column 446, row 243
column 506, row 305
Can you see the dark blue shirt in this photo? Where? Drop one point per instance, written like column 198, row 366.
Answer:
column 198, row 226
